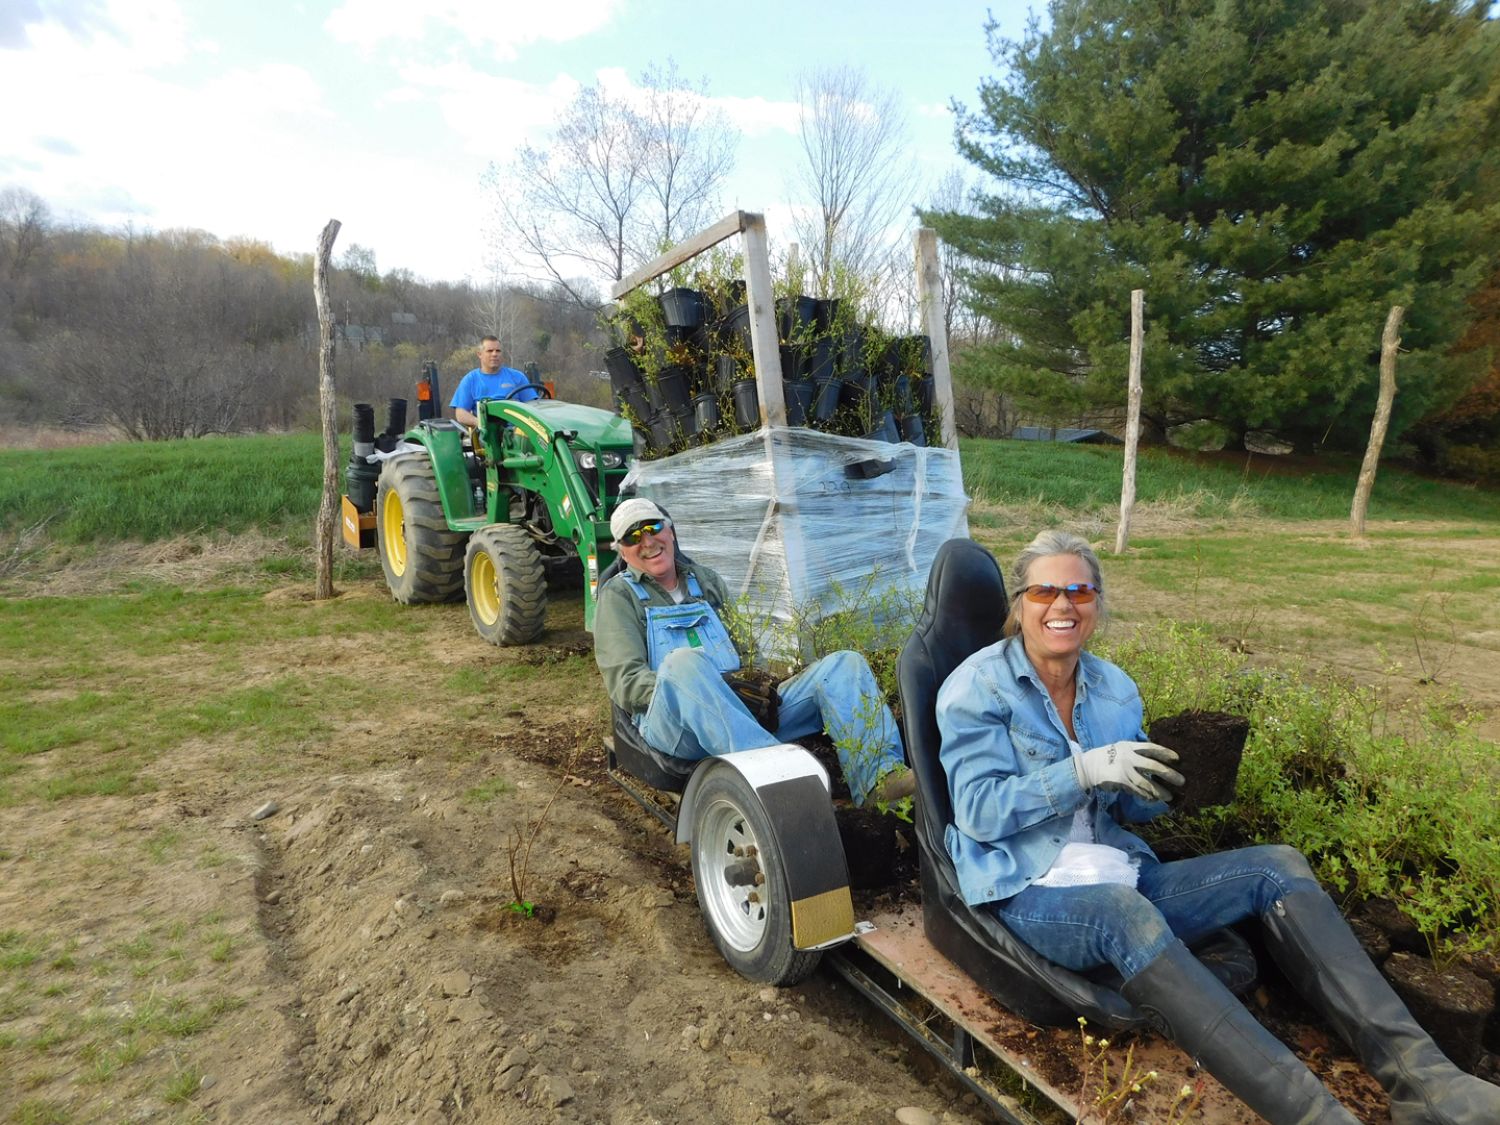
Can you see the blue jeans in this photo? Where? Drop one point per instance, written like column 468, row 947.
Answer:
column 695, row 714
column 1084, row 927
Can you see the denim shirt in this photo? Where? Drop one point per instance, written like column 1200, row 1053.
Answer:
column 1010, row 774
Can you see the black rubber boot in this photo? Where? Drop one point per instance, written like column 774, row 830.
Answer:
column 1316, row 949
column 1186, row 1002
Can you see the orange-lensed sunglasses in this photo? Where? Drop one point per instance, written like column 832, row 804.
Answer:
column 1043, row 593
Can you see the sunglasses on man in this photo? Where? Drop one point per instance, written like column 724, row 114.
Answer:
column 633, row 536
column 1044, row 593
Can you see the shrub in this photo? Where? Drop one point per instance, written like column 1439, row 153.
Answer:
column 1386, row 800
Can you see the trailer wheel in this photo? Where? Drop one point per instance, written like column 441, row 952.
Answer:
column 423, row 560
column 505, row 585
column 749, row 921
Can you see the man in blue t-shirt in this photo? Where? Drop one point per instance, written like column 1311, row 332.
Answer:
column 488, row 380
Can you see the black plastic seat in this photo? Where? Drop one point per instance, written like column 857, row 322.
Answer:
column 964, row 611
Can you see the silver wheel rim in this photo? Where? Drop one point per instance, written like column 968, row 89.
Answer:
column 725, row 842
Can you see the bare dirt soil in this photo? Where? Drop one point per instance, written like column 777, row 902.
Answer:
column 378, row 973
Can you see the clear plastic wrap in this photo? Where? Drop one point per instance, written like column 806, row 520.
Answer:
column 795, row 520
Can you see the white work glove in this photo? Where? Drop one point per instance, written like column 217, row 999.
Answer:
column 1137, row 767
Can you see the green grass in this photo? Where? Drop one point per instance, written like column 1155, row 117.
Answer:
column 1084, row 479
column 97, row 1033
column 73, row 723
column 144, row 492
column 141, row 491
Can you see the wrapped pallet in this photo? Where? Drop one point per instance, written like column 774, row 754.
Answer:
column 800, row 523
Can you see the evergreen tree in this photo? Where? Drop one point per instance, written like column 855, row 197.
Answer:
column 1274, row 173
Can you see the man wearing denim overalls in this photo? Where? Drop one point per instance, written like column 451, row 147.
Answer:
column 664, row 652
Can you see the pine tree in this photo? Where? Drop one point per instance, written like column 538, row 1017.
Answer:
column 1274, row 173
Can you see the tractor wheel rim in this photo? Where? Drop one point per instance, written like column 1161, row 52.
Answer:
column 484, row 588
column 393, row 517
column 740, row 922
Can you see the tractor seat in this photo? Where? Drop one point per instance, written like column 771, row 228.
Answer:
column 964, row 610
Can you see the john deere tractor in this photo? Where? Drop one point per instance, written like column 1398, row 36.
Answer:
column 494, row 513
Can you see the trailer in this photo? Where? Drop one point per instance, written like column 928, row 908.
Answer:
column 771, row 875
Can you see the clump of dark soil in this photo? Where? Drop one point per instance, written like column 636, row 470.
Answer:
column 1209, row 746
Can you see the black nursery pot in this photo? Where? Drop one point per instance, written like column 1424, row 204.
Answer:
column 903, row 396
column 746, row 405
column 682, row 308
column 706, row 413
column 925, row 389
column 726, row 371
column 795, row 362
column 799, row 401
column 822, row 361
column 626, row 381
column 825, row 312
column 826, row 398
column 670, row 392
column 662, row 431
column 735, row 328
column 912, row 430
column 793, row 313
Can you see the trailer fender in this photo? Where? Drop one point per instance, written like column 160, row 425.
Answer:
column 792, row 788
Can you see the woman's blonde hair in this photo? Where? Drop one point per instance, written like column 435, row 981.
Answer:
column 1046, row 545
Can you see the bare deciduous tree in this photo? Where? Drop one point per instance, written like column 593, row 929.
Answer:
column 623, row 174
column 24, row 219
column 690, row 150
column 854, row 178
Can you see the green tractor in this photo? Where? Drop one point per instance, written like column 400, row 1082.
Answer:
column 495, row 513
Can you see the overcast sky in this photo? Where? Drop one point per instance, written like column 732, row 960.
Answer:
column 266, row 118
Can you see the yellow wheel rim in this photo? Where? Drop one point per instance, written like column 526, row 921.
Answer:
column 484, row 588
column 393, row 525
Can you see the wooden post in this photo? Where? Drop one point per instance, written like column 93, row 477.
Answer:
column 1132, row 416
column 1390, row 343
column 765, row 345
column 328, row 511
column 930, row 300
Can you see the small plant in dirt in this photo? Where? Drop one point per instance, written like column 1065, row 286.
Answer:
column 519, row 844
column 1107, row 1094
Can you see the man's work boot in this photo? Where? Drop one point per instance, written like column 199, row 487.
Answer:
column 1186, row 1002
column 1320, row 954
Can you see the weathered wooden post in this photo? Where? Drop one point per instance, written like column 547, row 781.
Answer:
column 328, row 510
column 1132, row 417
column 1390, row 343
column 935, row 324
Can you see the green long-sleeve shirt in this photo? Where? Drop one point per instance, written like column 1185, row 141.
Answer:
column 620, row 631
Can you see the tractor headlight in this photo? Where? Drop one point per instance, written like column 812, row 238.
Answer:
column 604, row 460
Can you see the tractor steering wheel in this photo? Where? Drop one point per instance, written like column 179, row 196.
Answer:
column 514, row 391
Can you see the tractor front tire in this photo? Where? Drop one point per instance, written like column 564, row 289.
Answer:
column 742, row 886
column 505, row 585
column 423, row 560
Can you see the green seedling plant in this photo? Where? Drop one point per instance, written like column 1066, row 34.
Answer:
column 1107, row 1095
column 520, row 841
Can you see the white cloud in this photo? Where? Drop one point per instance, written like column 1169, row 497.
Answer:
column 505, row 26
column 492, row 115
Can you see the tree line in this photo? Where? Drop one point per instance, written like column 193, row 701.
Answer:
column 177, row 333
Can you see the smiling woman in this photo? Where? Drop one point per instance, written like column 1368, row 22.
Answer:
column 1046, row 760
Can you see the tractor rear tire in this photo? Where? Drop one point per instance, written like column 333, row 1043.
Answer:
column 733, row 846
column 423, row 560
column 505, row 585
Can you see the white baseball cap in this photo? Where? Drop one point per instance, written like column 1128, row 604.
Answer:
column 633, row 511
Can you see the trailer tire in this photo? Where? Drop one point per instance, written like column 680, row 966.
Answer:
column 754, row 937
column 505, row 585
column 422, row 558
